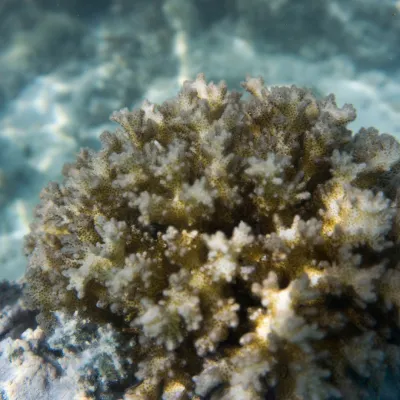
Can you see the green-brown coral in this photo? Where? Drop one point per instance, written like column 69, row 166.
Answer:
column 251, row 246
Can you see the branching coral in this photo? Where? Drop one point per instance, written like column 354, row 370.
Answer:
column 249, row 246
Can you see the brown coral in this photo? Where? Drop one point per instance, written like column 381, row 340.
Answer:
column 250, row 245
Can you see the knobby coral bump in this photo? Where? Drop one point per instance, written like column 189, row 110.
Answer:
column 247, row 247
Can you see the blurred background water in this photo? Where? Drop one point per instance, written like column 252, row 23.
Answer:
column 65, row 65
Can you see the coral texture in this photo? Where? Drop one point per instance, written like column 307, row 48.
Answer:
column 79, row 360
column 248, row 246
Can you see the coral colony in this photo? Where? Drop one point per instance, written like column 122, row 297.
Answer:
column 241, row 248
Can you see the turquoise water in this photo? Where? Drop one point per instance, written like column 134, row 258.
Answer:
column 66, row 65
